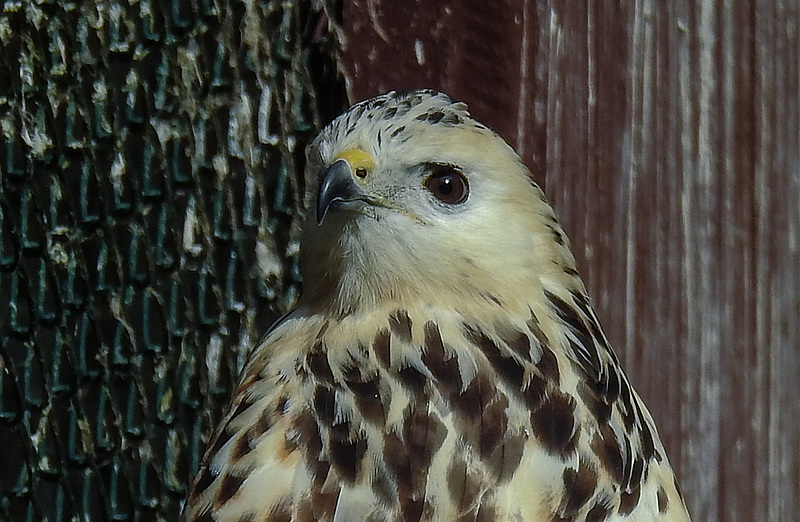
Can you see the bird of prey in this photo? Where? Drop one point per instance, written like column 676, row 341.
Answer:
column 443, row 362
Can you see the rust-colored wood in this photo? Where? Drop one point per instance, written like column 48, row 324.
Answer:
column 667, row 136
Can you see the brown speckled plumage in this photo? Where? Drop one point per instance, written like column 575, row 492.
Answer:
column 444, row 362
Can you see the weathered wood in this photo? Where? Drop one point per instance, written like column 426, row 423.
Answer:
column 667, row 136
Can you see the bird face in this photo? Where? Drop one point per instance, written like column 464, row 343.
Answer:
column 419, row 192
column 414, row 196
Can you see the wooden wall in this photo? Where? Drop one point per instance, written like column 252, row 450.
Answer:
column 667, row 137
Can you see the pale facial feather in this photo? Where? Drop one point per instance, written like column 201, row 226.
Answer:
column 491, row 245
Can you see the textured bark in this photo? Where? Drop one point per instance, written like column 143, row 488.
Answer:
column 666, row 135
column 151, row 161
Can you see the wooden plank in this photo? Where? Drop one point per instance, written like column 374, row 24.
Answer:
column 667, row 136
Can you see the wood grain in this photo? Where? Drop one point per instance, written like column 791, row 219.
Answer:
column 667, row 136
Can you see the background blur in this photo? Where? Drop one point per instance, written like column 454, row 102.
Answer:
column 151, row 181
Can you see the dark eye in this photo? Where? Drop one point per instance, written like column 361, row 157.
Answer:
column 447, row 184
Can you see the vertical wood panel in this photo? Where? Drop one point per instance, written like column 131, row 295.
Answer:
column 667, row 136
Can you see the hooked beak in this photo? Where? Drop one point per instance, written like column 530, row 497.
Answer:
column 336, row 186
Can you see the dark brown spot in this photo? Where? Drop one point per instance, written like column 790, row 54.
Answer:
column 648, row 448
column 409, row 476
column 352, row 373
column 582, row 301
column 628, row 417
column 396, row 457
column 598, row 407
column 244, row 403
column 317, row 360
column 305, row 511
column 207, row 477
column 383, row 487
column 627, row 462
column 381, row 347
column 517, row 341
column 346, row 457
column 579, row 486
column 536, row 330
column 261, row 426
column 319, row 470
column 280, row 513
column 411, row 508
column 290, row 445
column 486, row 513
column 325, row 404
column 308, row 434
column 637, row 472
column 322, row 330
column 504, row 460
column 557, row 235
column 222, row 438
column 564, row 311
column 443, row 367
column 435, row 117
column 586, row 358
column 606, row 446
column 585, row 350
column 494, row 423
column 241, row 447
column 452, row 119
column 368, row 399
column 228, row 488
column 591, row 322
column 493, row 299
column 612, row 385
column 625, row 393
column 509, row 368
column 340, row 430
column 553, row 423
column 423, row 434
column 400, row 323
column 324, row 504
column 471, row 402
column 548, row 365
column 598, row 513
column 534, row 392
column 245, row 442
column 628, row 500
column 663, row 500
column 464, row 485
column 409, row 458
column 412, row 379
column 280, row 406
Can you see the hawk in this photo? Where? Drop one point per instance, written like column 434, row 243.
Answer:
column 443, row 361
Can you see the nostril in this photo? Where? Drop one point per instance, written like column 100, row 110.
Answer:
column 361, row 173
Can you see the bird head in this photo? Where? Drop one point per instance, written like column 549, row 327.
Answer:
column 415, row 200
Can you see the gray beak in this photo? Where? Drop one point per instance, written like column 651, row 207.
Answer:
column 336, row 186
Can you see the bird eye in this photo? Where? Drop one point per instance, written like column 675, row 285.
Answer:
column 447, row 184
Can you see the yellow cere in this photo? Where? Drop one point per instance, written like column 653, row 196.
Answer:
column 358, row 159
